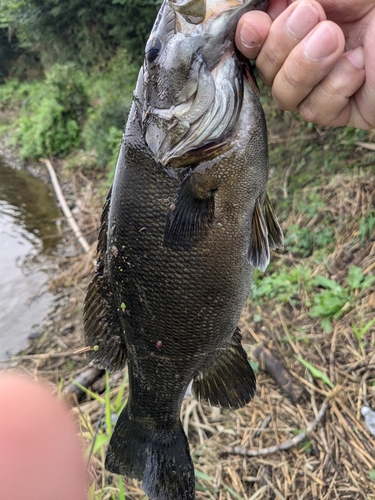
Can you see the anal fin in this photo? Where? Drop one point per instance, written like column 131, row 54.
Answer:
column 102, row 327
column 228, row 381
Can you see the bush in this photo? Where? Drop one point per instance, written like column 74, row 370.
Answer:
column 111, row 95
column 53, row 114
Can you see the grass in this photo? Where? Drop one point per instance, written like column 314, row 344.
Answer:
column 314, row 308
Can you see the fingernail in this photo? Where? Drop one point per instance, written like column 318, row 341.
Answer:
column 249, row 37
column 357, row 57
column 302, row 20
column 321, row 43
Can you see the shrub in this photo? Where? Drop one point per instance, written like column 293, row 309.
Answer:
column 53, row 114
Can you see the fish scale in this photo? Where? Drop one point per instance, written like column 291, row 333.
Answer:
column 181, row 232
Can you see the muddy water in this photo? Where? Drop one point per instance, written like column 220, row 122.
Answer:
column 29, row 240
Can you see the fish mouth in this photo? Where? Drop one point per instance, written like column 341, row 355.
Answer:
column 194, row 38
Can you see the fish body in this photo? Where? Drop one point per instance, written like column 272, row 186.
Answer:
column 185, row 223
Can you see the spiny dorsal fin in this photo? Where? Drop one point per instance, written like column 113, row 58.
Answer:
column 101, row 322
column 227, row 381
column 275, row 233
column 258, row 254
column 190, row 216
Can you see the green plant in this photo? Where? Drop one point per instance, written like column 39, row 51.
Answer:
column 111, row 95
column 52, row 116
column 99, row 438
column 202, row 477
column 303, row 241
column 362, row 330
column 329, row 304
column 315, row 372
column 335, row 300
column 281, row 284
column 366, row 227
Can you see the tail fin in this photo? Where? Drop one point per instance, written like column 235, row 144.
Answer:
column 160, row 458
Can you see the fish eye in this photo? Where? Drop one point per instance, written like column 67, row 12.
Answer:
column 153, row 47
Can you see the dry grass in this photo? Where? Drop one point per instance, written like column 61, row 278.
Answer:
column 337, row 459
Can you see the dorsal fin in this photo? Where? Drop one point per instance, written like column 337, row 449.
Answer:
column 275, row 233
column 258, row 254
column 102, row 327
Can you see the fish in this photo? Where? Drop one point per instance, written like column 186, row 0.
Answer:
column 185, row 223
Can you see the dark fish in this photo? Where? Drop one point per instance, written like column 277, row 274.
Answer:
column 184, row 225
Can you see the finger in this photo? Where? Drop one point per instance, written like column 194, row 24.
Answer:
column 329, row 103
column 276, row 7
column 307, row 65
column 285, row 34
column 41, row 457
column 251, row 32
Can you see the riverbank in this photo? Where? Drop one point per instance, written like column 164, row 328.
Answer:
column 313, row 309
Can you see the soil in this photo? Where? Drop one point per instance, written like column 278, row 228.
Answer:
column 336, row 459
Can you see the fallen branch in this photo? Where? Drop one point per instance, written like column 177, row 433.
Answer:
column 64, row 206
column 366, row 145
column 46, row 355
column 280, row 374
column 286, row 445
column 74, row 393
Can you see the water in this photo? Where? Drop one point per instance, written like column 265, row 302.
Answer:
column 29, row 241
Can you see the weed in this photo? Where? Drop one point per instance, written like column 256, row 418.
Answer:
column 335, row 300
column 315, row 372
column 53, row 113
column 366, row 227
column 99, row 438
column 362, row 330
column 202, row 477
column 281, row 284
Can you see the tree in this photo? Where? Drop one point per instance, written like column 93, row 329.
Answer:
column 87, row 33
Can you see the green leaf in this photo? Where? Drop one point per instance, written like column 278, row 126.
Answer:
column 315, row 372
column 119, row 403
column 362, row 330
column 108, row 409
column 89, row 393
column 355, row 277
column 121, row 490
column 100, row 440
column 326, row 282
column 206, row 477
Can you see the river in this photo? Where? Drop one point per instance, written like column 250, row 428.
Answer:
column 29, row 242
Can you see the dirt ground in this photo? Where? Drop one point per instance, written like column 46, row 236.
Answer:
column 303, row 441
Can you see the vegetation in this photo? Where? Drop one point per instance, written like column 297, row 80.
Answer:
column 67, row 71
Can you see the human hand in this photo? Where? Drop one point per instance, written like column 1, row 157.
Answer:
column 41, row 457
column 318, row 57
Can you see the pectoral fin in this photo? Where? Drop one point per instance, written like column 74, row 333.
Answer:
column 229, row 380
column 190, row 215
column 258, row 254
column 102, row 328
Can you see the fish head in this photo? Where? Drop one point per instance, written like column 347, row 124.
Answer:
column 190, row 70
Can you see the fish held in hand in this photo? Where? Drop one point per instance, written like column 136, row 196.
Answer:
column 185, row 223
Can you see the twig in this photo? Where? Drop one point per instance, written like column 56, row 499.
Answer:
column 64, row 206
column 366, row 145
column 286, row 445
column 51, row 354
column 280, row 374
column 86, row 379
